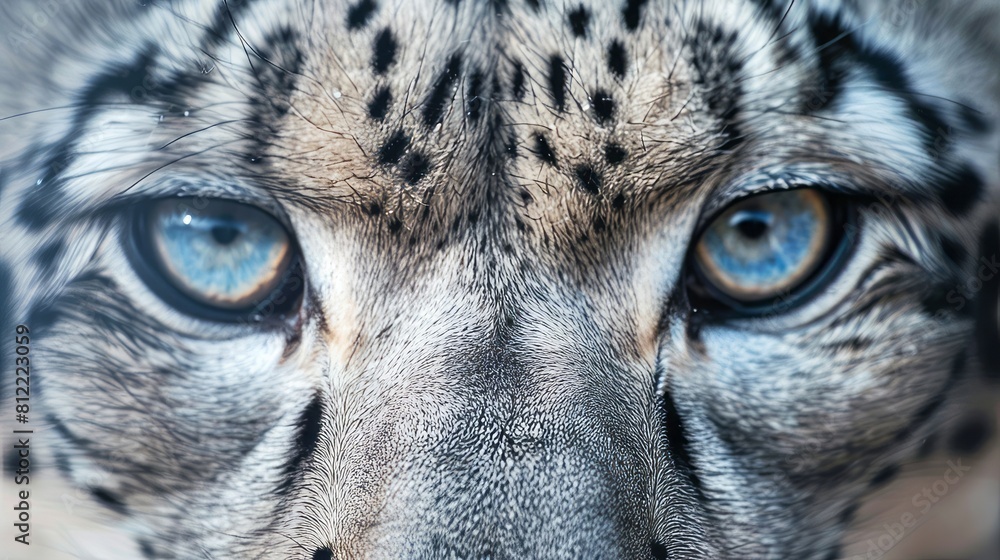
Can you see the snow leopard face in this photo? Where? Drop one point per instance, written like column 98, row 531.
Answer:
column 497, row 279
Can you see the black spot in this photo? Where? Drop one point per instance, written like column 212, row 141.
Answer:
column 527, row 198
column 109, row 499
column 833, row 41
column 928, row 410
column 839, row 51
column 62, row 464
column 589, row 179
column 517, row 82
column 579, row 19
column 884, row 476
column 378, row 107
column 43, row 316
column 275, row 79
column 543, row 150
column 618, row 202
column 394, row 148
column 614, row 154
column 889, row 70
column 632, row 13
column 307, row 433
column 373, row 209
column 617, row 59
column 717, row 72
column 974, row 120
column 971, row 434
column 557, row 81
column 659, row 551
column 604, row 106
column 939, row 300
column 147, row 549
column 511, row 148
column 135, row 81
column 475, row 95
column 441, row 92
column 770, row 9
column 384, row 54
column 415, row 168
column 962, row 191
column 324, row 553
column 46, row 257
column 394, row 226
column 535, row 4
column 11, row 461
column 359, row 14
column 848, row 514
column 224, row 23
column 953, row 250
column 599, row 224
column 41, row 206
column 987, row 304
column 678, row 444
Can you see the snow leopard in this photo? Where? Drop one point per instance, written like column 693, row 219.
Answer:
column 499, row 279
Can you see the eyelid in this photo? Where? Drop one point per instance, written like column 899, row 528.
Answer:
column 820, row 176
column 195, row 191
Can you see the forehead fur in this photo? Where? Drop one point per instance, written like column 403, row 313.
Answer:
column 393, row 106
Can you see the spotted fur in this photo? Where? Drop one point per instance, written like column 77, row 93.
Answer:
column 496, row 356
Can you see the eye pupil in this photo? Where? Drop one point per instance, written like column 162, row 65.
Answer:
column 752, row 223
column 753, row 228
column 225, row 234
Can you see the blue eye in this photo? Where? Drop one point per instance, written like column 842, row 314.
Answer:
column 766, row 246
column 222, row 256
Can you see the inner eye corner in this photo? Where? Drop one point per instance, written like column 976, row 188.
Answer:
column 777, row 247
column 217, row 260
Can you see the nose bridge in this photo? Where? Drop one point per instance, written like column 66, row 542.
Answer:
column 488, row 442
column 510, row 473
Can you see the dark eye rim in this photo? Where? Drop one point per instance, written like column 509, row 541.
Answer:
column 280, row 305
column 704, row 296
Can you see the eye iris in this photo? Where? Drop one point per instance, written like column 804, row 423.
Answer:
column 226, row 255
column 765, row 245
